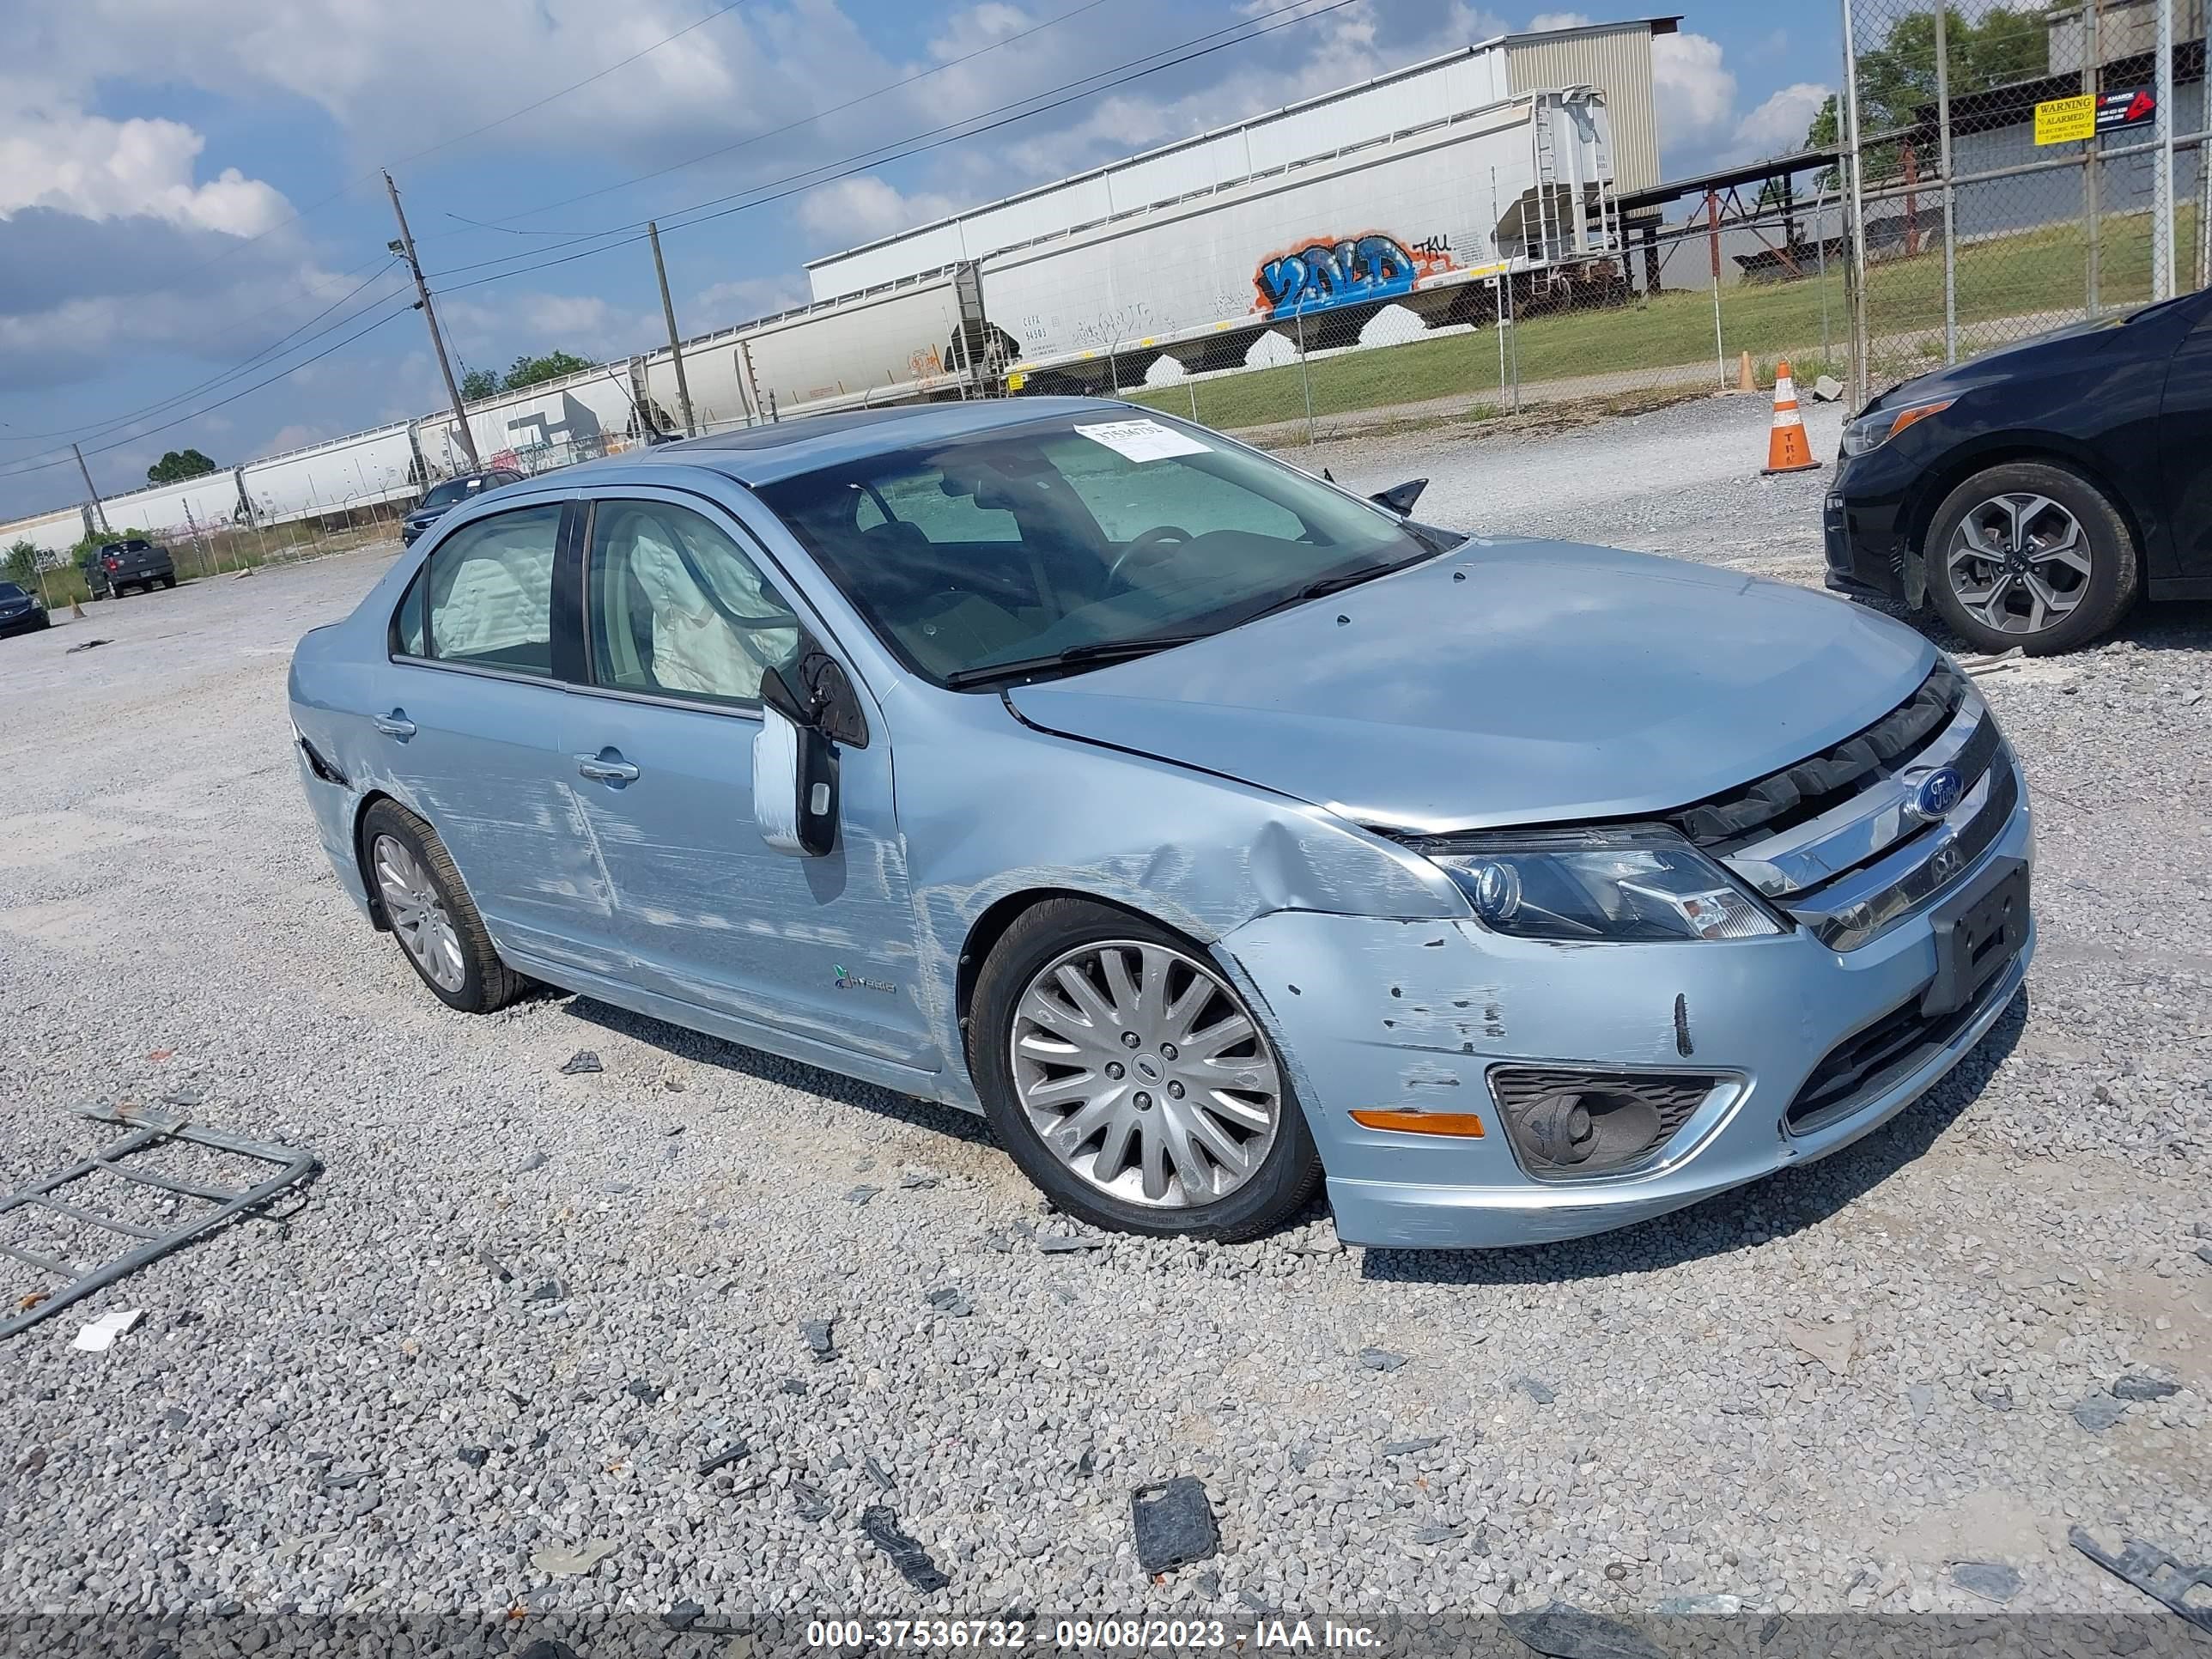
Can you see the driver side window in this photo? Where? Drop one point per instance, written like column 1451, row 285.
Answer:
column 678, row 609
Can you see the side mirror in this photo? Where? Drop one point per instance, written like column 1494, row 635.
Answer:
column 795, row 753
column 1400, row 498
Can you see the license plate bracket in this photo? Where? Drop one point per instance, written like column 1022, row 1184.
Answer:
column 1977, row 934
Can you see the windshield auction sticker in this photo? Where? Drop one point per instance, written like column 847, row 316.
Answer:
column 1142, row 441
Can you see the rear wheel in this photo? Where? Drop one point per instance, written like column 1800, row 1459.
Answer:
column 168, row 581
column 431, row 914
column 2032, row 554
column 1126, row 1077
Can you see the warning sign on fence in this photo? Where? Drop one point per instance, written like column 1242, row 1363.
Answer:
column 2069, row 120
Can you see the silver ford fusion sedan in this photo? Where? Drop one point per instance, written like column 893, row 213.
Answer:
column 1212, row 832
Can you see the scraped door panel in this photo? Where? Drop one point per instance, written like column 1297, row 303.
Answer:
column 470, row 734
column 681, row 624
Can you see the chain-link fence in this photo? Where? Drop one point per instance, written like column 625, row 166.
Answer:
column 1713, row 300
column 2017, row 168
column 2000, row 169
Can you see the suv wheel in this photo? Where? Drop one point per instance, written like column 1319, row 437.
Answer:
column 1125, row 1075
column 2032, row 554
column 431, row 914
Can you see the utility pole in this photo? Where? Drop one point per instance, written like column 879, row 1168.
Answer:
column 99, row 508
column 405, row 248
column 675, row 346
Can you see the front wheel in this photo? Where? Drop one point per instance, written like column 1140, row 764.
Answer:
column 431, row 913
column 1125, row 1076
column 2032, row 554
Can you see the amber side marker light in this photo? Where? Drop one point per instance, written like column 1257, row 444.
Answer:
column 1465, row 1126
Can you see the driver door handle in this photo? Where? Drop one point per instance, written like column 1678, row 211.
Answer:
column 611, row 769
column 394, row 725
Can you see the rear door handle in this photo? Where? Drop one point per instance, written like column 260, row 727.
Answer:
column 395, row 725
column 606, row 768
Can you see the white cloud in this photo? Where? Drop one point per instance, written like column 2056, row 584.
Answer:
column 1696, row 91
column 1777, row 126
column 297, row 435
column 859, row 209
column 96, row 169
column 721, row 305
column 1558, row 20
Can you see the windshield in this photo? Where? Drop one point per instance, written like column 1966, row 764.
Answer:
column 1079, row 533
column 9, row 591
column 456, row 489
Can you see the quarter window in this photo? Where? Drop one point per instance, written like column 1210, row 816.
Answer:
column 678, row 610
column 491, row 593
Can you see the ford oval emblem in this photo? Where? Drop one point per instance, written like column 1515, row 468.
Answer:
column 1936, row 795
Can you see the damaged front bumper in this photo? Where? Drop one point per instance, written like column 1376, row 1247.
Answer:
column 1796, row 1050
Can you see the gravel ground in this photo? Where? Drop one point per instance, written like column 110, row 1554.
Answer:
column 520, row 1308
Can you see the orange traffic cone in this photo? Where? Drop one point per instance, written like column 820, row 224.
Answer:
column 1787, row 448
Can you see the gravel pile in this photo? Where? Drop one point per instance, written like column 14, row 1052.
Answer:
column 557, row 1343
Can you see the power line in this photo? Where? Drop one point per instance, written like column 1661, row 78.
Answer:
column 446, row 143
column 20, row 472
column 775, row 132
column 95, row 428
column 901, row 149
column 351, row 184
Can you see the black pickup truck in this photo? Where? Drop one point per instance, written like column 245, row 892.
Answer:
column 136, row 564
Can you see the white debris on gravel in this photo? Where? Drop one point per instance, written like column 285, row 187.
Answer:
column 502, row 1260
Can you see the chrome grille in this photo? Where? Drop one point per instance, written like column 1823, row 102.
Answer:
column 1810, row 787
column 1837, row 841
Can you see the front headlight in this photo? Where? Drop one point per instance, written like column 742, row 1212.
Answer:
column 1873, row 431
column 1616, row 884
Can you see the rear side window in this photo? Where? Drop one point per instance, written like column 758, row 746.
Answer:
column 491, row 594
column 678, row 609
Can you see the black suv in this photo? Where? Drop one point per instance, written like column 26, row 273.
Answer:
column 444, row 496
column 136, row 564
column 19, row 612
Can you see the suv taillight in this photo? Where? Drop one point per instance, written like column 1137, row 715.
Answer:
column 113, row 562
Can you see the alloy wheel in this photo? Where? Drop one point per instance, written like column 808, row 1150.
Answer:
column 1144, row 1073
column 2018, row 564
column 417, row 914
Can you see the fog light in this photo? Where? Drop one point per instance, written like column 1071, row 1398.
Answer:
column 1559, row 1128
column 1567, row 1124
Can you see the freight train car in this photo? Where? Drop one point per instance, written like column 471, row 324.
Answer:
column 907, row 340
column 326, row 480
column 1428, row 186
column 177, row 510
column 579, row 417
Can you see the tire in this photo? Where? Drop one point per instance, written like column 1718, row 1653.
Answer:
column 2039, row 523
column 456, row 961
column 1103, row 1178
column 168, row 581
column 115, row 590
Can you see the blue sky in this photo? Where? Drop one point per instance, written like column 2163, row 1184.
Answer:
column 185, row 183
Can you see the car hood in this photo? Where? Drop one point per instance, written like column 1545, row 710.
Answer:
column 2074, row 339
column 1509, row 682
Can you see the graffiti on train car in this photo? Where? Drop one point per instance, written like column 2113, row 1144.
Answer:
column 1320, row 275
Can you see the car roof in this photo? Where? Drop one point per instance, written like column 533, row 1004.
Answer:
column 781, row 449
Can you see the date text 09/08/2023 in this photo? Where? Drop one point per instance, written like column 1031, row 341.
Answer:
column 1080, row 1634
